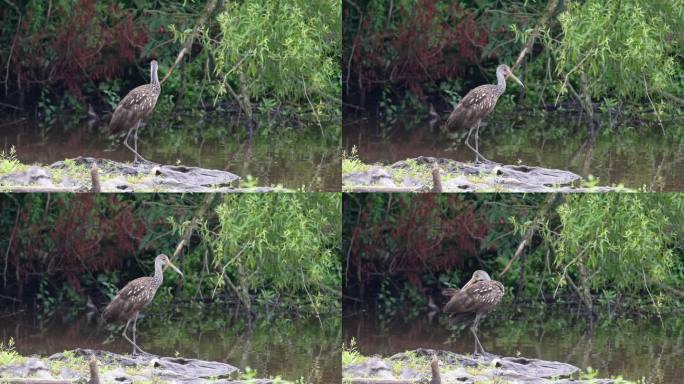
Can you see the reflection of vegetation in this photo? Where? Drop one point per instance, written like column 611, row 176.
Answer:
column 614, row 253
column 635, row 348
column 313, row 352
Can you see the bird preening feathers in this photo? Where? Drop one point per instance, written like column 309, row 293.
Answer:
column 135, row 296
column 479, row 296
column 137, row 105
column 478, row 104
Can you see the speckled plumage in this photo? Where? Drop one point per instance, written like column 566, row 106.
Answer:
column 479, row 296
column 137, row 295
column 138, row 104
column 478, row 104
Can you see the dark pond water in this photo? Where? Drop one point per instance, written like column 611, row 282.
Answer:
column 631, row 349
column 298, row 158
column 289, row 349
column 636, row 157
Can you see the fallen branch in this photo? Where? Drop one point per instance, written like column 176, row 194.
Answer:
column 436, row 180
column 95, row 179
column 94, row 374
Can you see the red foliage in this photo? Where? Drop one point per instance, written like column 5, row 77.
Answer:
column 81, row 45
column 83, row 238
column 418, row 236
column 417, row 45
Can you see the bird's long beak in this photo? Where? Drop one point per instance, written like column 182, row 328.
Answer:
column 517, row 80
column 469, row 283
column 170, row 264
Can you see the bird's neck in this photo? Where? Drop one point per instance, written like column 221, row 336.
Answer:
column 501, row 84
column 154, row 79
column 158, row 273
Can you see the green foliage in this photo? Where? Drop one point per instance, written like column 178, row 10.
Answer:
column 622, row 252
column 351, row 354
column 8, row 354
column 627, row 48
column 9, row 162
column 351, row 162
column 278, row 244
column 620, row 242
column 286, row 50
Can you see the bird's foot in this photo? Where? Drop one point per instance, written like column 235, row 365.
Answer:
column 141, row 160
column 486, row 356
column 138, row 351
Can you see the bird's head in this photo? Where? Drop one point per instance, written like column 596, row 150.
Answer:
column 506, row 72
column 164, row 260
column 478, row 275
column 154, row 65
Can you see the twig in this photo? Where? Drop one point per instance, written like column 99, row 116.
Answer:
column 660, row 317
column 550, row 202
column 551, row 6
column 312, row 107
column 653, row 106
column 318, row 316
column 14, row 41
column 191, row 38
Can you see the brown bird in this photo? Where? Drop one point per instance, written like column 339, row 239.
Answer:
column 135, row 296
column 478, row 297
column 135, row 107
column 478, row 104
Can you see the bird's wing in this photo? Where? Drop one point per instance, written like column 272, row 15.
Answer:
column 123, row 302
column 449, row 292
column 128, row 109
column 479, row 296
column 466, row 110
column 133, row 288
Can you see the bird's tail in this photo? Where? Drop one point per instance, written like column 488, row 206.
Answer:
column 448, row 292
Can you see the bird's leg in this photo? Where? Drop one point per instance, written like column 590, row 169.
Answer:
column 135, row 323
column 467, row 140
column 134, row 149
column 473, row 329
column 478, row 155
column 138, row 157
column 126, row 337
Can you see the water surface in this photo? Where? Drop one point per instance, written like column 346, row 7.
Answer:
column 297, row 158
column 634, row 349
column 291, row 349
column 634, row 156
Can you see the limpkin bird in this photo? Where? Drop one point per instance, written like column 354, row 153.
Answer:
column 135, row 107
column 478, row 297
column 478, row 104
column 135, row 296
